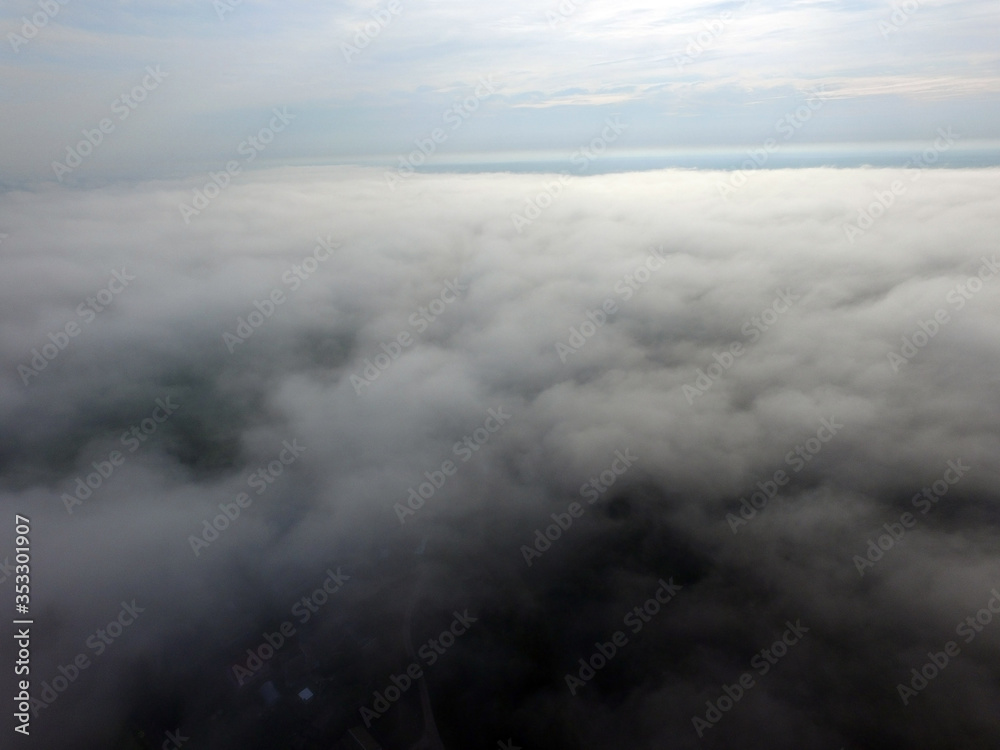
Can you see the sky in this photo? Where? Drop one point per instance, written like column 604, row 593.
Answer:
column 694, row 76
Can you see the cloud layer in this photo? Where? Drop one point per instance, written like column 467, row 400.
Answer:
column 312, row 346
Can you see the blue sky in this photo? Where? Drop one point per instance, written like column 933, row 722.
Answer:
column 692, row 75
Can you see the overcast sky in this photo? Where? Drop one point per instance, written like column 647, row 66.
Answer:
column 691, row 74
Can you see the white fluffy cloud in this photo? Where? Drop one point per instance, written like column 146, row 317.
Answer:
column 439, row 264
